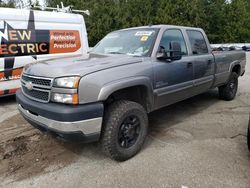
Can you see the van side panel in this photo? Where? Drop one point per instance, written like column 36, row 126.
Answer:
column 28, row 36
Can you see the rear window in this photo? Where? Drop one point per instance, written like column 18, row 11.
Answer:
column 198, row 42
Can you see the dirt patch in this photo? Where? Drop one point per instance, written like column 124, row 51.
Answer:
column 31, row 152
column 15, row 148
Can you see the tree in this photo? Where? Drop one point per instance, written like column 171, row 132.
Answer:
column 237, row 27
column 10, row 3
column 223, row 20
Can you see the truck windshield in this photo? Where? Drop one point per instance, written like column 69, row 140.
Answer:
column 134, row 42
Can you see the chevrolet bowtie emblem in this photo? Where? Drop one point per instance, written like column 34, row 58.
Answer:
column 29, row 85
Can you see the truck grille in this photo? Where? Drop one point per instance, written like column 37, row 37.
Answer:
column 40, row 95
column 37, row 81
column 36, row 88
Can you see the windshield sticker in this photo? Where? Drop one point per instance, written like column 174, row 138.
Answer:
column 144, row 38
column 144, row 33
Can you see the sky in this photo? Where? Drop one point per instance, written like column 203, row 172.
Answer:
column 40, row 1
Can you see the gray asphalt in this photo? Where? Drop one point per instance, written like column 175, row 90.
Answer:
column 200, row 142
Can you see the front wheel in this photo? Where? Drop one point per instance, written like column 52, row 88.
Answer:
column 125, row 129
column 228, row 91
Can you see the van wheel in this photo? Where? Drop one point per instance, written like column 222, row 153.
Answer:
column 125, row 129
column 228, row 91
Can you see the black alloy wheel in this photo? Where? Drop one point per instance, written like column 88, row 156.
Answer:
column 129, row 131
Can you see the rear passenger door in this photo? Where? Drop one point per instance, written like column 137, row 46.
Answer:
column 203, row 61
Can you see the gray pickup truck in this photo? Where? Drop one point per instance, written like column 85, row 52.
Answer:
column 128, row 74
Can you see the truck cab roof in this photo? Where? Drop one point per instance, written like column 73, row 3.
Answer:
column 163, row 26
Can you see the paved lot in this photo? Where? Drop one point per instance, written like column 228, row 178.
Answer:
column 200, row 142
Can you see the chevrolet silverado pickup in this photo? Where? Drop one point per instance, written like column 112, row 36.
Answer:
column 128, row 74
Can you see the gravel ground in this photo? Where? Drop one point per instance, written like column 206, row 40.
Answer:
column 200, row 142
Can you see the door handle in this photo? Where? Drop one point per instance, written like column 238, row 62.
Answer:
column 189, row 65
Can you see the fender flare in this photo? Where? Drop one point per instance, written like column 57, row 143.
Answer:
column 114, row 86
column 233, row 64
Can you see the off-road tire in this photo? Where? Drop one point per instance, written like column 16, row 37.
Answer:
column 228, row 91
column 115, row 115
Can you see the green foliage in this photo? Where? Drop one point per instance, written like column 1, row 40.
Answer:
column 223, row 20
column 237, row 21
column 10, row 3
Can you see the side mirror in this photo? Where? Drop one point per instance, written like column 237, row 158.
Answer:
column 174, row 52
column 162, row 54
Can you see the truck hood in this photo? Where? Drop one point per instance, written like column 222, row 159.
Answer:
column 78, row 66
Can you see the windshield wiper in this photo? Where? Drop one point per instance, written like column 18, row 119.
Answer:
column 115, row 53
column 134, row 55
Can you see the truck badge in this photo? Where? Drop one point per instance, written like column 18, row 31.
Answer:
column 29, row 86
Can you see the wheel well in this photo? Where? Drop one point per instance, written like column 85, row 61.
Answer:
column 137, row 94
column 236, row 69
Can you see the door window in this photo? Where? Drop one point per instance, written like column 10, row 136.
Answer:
column 173, row 35
column 198, row 43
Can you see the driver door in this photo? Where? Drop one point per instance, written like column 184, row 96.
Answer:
column 173, row 80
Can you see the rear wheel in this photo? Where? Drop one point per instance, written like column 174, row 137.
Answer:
column 228, row 91
column 125, row 129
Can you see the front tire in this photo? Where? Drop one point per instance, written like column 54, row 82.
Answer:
column 125, row 129
column 228, row 91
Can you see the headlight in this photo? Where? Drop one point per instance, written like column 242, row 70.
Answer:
column 67, row 82
column 65, row 98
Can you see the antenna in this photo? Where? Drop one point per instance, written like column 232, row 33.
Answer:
column 68, row 9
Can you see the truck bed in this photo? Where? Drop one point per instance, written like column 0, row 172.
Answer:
column 223, row 59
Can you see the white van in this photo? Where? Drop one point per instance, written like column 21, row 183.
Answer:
column 27, row 36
